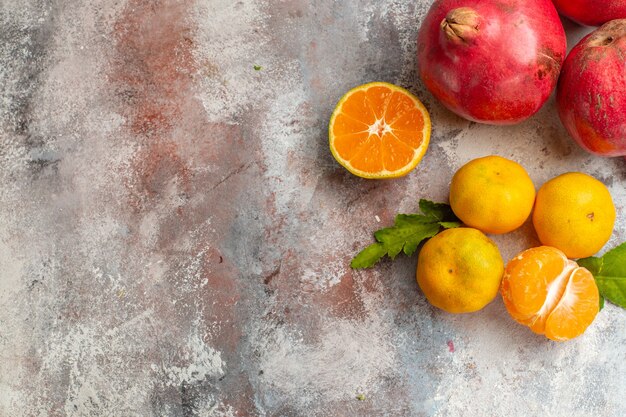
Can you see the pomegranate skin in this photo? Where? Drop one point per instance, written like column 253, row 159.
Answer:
column 494, row 62
column 590, row 12
column 591, row 94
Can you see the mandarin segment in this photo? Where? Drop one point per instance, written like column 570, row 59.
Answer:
column 399, row 105
column 369, row 158
column 555, row 290
column 349, row 145
column 411, row 121
column 528, row 295
column 378, row 97
column 345, row 125
column 358, row 108
column 363, row 139
column 396, row 154
column 577, row 308
column 550, row 294
column 412, row 139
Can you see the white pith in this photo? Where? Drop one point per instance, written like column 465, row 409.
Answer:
column 556, row 288
column 379, row 128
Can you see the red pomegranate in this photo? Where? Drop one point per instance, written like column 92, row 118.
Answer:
column 592, row 12
column 591, row 94
column 492, row 61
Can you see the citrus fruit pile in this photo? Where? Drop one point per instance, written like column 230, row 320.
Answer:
column 382, row 131
column 573, row 216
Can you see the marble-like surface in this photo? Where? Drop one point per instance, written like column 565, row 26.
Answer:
column 175, row 236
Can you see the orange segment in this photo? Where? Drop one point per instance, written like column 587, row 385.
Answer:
column 399, row 105
column 379, row 130
column 411, row 121
column 413, row 139
column 529, row 288
column 550, row 294
column 358, row 108
column 350, row 144
column 576, row 309
column 346, row 125
column 369, row 157
column 378, row 97
column 396, row 154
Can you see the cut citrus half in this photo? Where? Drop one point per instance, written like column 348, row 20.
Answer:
column 379, row 130
column 549, row 293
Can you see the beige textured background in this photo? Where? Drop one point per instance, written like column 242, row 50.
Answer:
column 175, row 236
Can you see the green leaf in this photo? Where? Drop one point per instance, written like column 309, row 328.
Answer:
column 257, row 67
column 613, row 289
column 408, row 231
column 592, row 263
column 440, row 211
column 420, row 232
column 369, row 256
column 449, row 225
column 610, row 274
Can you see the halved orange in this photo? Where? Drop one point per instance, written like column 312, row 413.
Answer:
column 549, row 293
column 379, row 130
